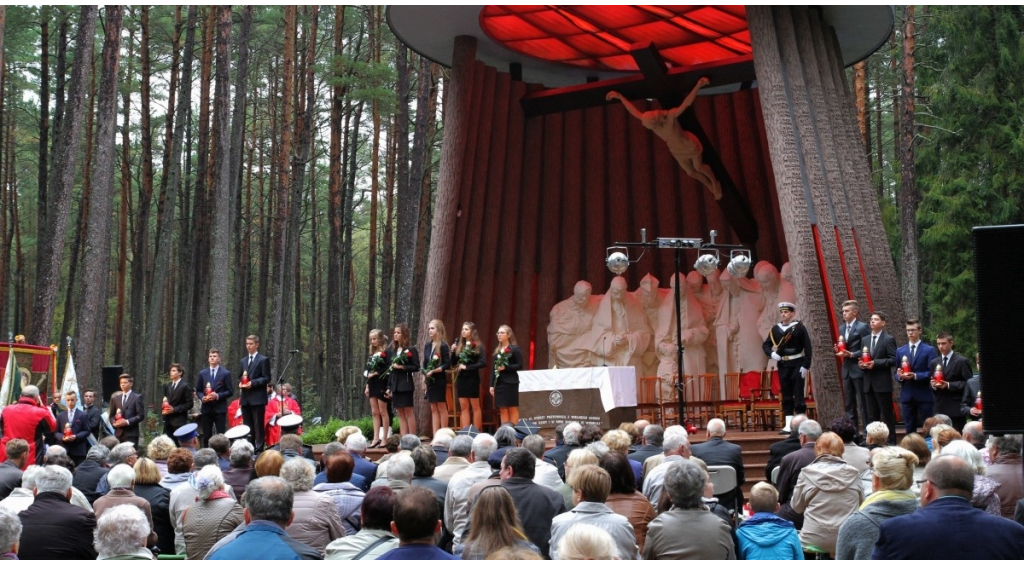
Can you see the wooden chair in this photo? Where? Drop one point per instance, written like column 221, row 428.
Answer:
column 766, row 402
column 733, row 405
column 451, row 402
column 701, row 392
column 812, row 406
column 648, row 402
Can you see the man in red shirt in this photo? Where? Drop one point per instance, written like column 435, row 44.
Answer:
column 28, row 419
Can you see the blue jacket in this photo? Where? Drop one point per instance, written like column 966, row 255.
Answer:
column 261, row 540
column 949, row 529
column 766, row 536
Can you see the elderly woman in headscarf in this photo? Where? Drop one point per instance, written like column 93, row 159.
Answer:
column 214, row 515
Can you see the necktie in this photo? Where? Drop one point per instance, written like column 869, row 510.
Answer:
column 874, row 341
column 849, row 327
column 214, row 375
column 913, row 352
column 944, row 360
column 174, row 386
column 250, row 361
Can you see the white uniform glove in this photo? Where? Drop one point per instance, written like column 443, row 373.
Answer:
column 803, row 372
column 775, row 356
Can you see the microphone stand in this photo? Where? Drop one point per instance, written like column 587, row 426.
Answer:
column 280, row 379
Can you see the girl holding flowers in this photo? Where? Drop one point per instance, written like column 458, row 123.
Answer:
column 405, row 361
column 377, row 387
column 508, row 361
column 436, row 359
column 469, row 352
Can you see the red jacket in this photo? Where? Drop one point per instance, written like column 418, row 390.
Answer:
column 26, row 420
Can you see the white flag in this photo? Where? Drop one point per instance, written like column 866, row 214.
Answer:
column 70, row 384
column 10, row 391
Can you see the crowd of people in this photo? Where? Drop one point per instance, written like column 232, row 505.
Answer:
column 637, row 492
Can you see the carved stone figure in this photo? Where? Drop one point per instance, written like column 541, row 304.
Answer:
column 787, row 291
column 750, row 356
column 569, row 329
column 695, row 333
column 650, row 297
column 767, row 277
column 620, row 332
column 710, row 299
column 683, row 145
column 727, row 323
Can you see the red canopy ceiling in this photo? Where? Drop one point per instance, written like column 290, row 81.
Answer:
column 599, row 37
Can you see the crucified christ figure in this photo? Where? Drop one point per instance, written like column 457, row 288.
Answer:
column 683, row 145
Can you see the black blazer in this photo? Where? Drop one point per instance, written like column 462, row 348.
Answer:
column 94, row 416
column 133, row 410
column 857, row 339
column 957, row 373
column 716, row 451
column 53, row 529
column 259, row 377
column 511, row 373
column 181, row 400
column 80, row 427
column 223, row 386
column 446, row 358
column 879, row 378
column 401, row 378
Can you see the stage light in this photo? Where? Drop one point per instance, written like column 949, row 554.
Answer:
column 739, row 264
column 706, row 264
column 617, row 262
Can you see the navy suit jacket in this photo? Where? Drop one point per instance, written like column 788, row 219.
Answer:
column 80, row 427
column 949, row 529
column 222, row 386
column 855, row 341
column 918, row 389
column 879, row 378
column 259, row 377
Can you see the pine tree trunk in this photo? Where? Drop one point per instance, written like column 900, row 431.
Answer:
column 407, row 189
column 44, row 118
column 167, row 203
column 908, row 194
column 60, row 70
column 51, row 247
column 96, row 263
column 332, row 397
column 242, row 260
column 371, row 283
column 860, row 96
column 222, row 186
column 126, row 186
column 430, row 72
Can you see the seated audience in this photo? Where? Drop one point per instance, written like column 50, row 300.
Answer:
column 91, row 471
column 578, row 458
column 121, row 534
column 212, row 517
column 267, row 512
column 766, row 536
column 494, row 525
column 916, row 444
column 268, row 463
column 946, row 527
column 53, row 528
column 587, row 542
column 942, row 435
column 1006, row 470
column 22, row 496
column 458, row 458
column 624, row 498
column 546, row 474
column 537, row 505
column 620, row 441
column 716, row 451
column 158, row 449
column 222, row 446
column 316, row 521
column 826, row 493
column 425, row 462
column 375, row 538
column 240, row 471
column 892, row 474
column 147, row 486
column 10, row 534
column 877, row 434
column 11, row 469
column 591, row 486
column 121, row 479
column 780, row 449
column 356, row 446
column 688, row 530
column 986, row 490
column 791, row 466
column 179, row 468
column 856, row 456
column 416, row 523
column 346, row 497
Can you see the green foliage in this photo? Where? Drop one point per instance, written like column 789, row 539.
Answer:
column 325, row 433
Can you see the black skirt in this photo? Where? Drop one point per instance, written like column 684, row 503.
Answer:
column 468, row 384
column 377, row 386
column 438, row 388
column 506, row 394
column 402, row 399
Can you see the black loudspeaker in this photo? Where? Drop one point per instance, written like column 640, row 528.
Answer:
column 110, row 385
column 998, row 272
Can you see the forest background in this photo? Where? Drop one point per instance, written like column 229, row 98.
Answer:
column 178, row 177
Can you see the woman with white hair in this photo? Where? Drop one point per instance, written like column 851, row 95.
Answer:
column 212, row 517
column 240, row 472
column 587, row 542
column 892, row 475
column 985, row 496
column 316, row 520
column 10, row 534
column 22, row 497
column 121, row 534
column 158, row 449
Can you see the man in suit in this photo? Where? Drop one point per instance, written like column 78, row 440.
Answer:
column 559, row 454
column 654, row 435
column 878, row 377
column 972, row 391
column 77, row 443
column 780, row 449
column 132, row 409
column 92, row 413
column 853, row 331
column 214, row 387
column 255, row 375
column 790, row 467
column 716, row 451
column 956, row 371
column 179, row 401
column 53, row 528
column 946, row 527
column 916, row 396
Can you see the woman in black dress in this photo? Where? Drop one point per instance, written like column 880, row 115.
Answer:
column 470, row 348
column 405, row 362
column 436, row 360
column 508, row 361
column 377, row 387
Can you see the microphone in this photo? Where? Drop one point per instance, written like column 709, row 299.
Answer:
column 293, row 352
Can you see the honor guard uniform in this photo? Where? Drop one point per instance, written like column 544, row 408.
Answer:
column 790, row 346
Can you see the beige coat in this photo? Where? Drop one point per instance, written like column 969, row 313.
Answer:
column 827, row 492
column 316, row 521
